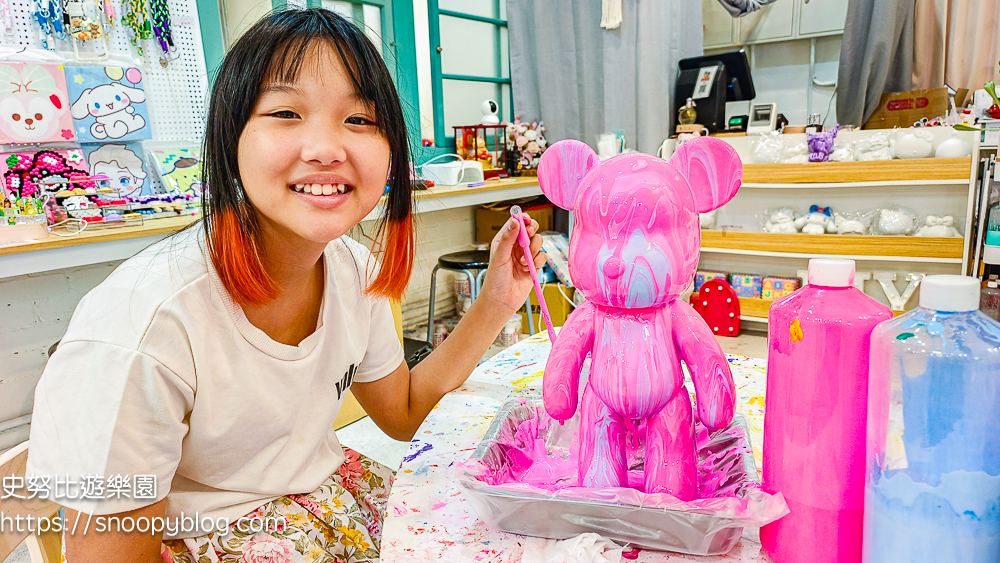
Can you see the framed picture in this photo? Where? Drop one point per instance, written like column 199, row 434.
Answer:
column 123, row 163
column 179, row 169
column 25, row 173
column 34, row 104
column 108, row 103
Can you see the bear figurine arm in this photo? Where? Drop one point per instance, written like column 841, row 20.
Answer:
column 713, row 382
column 561, row 382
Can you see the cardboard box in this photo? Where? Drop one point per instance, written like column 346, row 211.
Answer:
column 559, row 307
column 490, row 220
column 903, row 109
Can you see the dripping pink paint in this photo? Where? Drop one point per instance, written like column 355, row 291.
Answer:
column 634, row 249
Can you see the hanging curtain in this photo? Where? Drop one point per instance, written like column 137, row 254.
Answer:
column 956, row 42
column 876, row 56
column 583, row 80
column 740, row 8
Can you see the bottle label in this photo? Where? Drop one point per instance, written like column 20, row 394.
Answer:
column 795, row 332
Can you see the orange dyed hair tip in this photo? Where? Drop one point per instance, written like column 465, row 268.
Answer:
column 397, row 260
column 234, row 255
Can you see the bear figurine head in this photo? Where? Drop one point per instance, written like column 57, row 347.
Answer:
column 636, row 235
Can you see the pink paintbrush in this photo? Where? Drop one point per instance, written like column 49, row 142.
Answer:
column 522, row 239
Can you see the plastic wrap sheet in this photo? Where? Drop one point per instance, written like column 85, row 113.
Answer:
column 523, row 479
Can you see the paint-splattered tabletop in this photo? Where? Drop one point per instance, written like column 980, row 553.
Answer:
column 430, row 519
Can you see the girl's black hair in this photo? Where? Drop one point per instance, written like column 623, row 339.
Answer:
column 273, row 50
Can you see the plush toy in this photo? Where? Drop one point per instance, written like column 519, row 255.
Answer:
column 781, row 221
column 633, row 251
column 817, row 222
column 934, row 226
column 718, row 304
column 848, row 225
column 707, row 220
column 894, row 221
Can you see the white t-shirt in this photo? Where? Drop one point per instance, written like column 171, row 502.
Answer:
column 160, row 373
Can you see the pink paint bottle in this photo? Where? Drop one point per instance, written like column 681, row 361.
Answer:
column 814, row 417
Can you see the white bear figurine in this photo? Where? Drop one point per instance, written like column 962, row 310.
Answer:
column 895, row 221
column 781, row 221
column 848, row 225
column 935, row 226
column 817, row 222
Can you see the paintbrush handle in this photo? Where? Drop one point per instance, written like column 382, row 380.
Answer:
column 525, row 242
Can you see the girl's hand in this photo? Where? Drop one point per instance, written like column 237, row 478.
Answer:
column 508, row 280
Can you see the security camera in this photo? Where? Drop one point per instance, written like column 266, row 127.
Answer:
column 490, row 109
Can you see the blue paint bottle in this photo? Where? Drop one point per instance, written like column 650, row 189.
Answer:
column 932, row 488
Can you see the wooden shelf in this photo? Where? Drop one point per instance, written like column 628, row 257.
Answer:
column 750, row 306
column 900, row 171
column 949, row 248
column 464, row 189
column 149, row 228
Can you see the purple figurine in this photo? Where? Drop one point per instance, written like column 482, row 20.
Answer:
column 821, row 144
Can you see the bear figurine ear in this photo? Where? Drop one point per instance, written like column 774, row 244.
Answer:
column 713, row 170
column 563, row 166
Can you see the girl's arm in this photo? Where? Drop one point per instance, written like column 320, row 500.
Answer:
column 113, row 545
column 399, row 402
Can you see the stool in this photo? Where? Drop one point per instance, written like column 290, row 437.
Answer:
column 464, row 262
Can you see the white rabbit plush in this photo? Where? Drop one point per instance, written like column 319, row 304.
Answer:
column 934, row 226
column 781, row 221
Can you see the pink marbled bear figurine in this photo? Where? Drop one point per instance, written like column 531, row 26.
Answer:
column 634, row 249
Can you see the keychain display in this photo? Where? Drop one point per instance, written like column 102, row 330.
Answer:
column 8, row 16
column 48, row 14
column 90, row 42
column 161, row 28
column 134, row 17
column 109, row 12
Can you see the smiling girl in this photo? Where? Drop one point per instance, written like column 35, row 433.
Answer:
column 213, row 364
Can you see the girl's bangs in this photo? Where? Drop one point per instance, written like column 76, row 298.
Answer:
column 287, row 60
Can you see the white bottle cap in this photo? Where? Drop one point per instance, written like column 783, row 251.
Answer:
column 949, row 293
column 831, row 272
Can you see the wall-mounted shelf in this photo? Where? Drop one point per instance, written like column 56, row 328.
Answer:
column 750, row 306
column 908, row 249
column 844, row 174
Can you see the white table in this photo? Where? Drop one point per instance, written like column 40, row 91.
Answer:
column 428, row 517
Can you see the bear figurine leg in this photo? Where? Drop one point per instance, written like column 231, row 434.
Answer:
column 602, row 444
column 670, row 450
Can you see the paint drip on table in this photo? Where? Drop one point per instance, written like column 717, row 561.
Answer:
column 527, row 465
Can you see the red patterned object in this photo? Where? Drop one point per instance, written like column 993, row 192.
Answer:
column 718, row 304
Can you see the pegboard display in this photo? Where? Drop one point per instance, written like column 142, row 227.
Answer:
column 176, row 94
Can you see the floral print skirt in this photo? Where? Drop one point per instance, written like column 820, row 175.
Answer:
column 339, row 522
